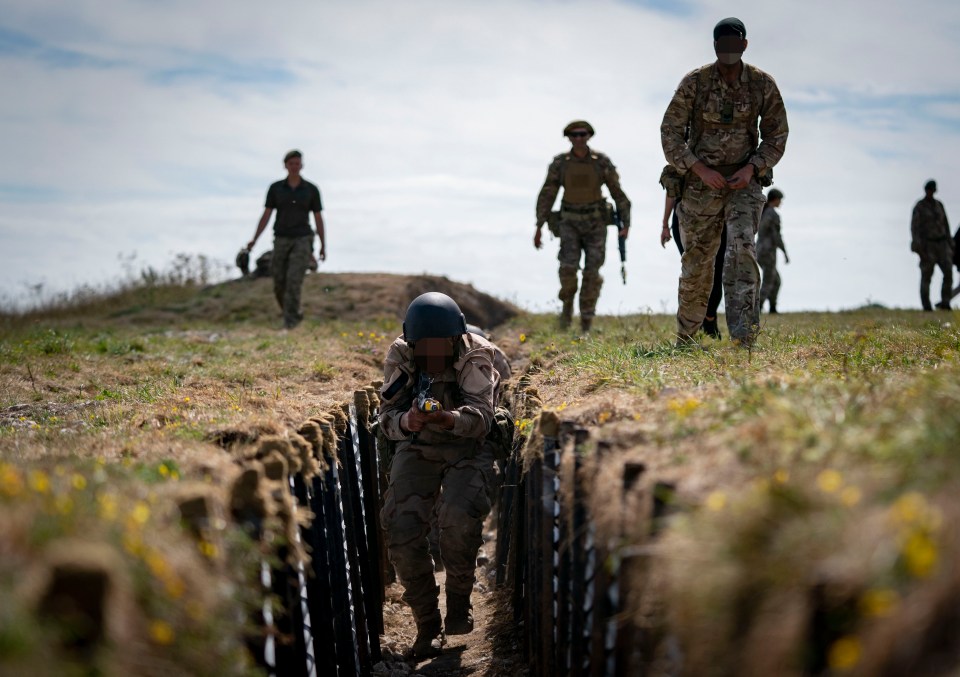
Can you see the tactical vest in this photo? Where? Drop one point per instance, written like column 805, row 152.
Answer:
column 581, row 180
column 698, row 124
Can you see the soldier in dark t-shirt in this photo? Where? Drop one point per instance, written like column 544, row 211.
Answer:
column 293, row 198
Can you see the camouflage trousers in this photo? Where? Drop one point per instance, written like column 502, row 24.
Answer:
column 455, row 484
column 770, row 285
column 586, row 236
column 932, row 255
column 288, row 267
column 703, row 212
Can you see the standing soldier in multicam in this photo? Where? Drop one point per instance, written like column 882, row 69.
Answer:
column 583, row 218
column 441, row 461
column 930, row 239
column 769, row 240
column 710, row 136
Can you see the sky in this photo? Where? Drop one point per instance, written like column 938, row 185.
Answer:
column 132, row 131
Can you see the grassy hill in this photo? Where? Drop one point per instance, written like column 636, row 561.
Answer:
column 812, row 480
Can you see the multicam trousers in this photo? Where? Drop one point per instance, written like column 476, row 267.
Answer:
column 703, row 211
column 457, row 483
column 288, row 267
column 770, row 284
column 934, row 254
column 586, row 234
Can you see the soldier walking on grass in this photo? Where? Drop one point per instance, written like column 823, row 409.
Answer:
column 931, row 241
column 583, row 218
column 769, row 240
column 710, row 135
column 438, row 395
column 294, row 198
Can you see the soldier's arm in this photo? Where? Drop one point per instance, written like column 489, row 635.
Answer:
column 396, row 395
column 548, row 193
column 478, row 381
column 612, row 179
column 318, row 219
column 673, row 129
column 915, row 228
column 264, row 220
column 773, row 128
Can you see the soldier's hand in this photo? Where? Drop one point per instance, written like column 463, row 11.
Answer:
column 538, row 238
column 711, row 177
column 323, row 254
column 414, row 420
column 741, row 178
column 624, row 232
column 786, row 259
column 665, row 235
column 250, row 245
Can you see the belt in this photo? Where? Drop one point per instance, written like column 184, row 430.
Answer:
column 585, row 209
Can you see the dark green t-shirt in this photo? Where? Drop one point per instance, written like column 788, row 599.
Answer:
column 293, row 207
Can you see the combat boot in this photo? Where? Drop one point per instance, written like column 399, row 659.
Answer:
column 429, row 640
column 710, row 328
column 459, row 620
column 585, row 324
column 773, row 308
column 566, row 314
column 943, row 305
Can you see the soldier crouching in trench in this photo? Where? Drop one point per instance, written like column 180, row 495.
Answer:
column 438, row 406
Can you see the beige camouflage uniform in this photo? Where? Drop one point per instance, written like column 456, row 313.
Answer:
column 453, row 467
column 583, row 221
column 769, row 240
column 931, row 240
column 704, row 211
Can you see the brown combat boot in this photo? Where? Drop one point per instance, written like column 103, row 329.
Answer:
column 566, row 314
column 459, row 620
column 429, row 640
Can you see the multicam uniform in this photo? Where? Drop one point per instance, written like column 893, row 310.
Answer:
column 583, row 221
column 453, row 467
column 716, row 123
column 769, row 240
column 932, row 242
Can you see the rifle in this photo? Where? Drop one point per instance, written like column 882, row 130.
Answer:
column 621, row 245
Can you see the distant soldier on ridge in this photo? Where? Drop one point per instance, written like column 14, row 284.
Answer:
column 582, row 221
column 293, row 198
column 711, row 137
column 769, row 240
column 931, row 241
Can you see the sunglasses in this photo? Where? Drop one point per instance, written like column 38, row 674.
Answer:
column 578, row 134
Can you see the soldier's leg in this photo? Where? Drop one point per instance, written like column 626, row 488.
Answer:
column 926, row 275
column 569, row 258
column 278, row 267
column 768, row 269
column 775, row 292
column 741, row 274
column 297, row 262
column 716, row 292
column 701, row 226
column 407, row 508
column 945, row 262
column 595, row 251
column 464, row 505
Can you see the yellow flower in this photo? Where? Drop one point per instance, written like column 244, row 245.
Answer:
column 63, row 504
column 920, row 554
column 186, row 399
column 132, row 544
column 161, row 632
column 107, row 506
column 11, row 483
column 207, row 549
column 603, row 417
column 78, row 481
column 156, row 563
column 781, row 476
column 373, row 334
column 163, row 470
column 174, row 586
column 716, row 501
column 878, row 602
column 360, row 334
column 909, row 508
column 141, row 513
column 829, row 481
column 850, row 496
column 844, row 654
column 174, row 475
column 39, row 481
column 683, row 408
column 523, row 338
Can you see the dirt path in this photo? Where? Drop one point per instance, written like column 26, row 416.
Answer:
column 493, row 648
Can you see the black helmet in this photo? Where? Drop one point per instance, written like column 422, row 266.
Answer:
column 243, row 261
column 474, row 329
column 433, row 315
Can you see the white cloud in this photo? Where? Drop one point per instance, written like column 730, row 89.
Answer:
column 429, row 125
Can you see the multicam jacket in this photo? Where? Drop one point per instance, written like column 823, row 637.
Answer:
column 717, row 123
column 929, row 222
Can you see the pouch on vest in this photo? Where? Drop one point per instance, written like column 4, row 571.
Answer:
column 553, row 223
column 609, row 213
column 672, row 182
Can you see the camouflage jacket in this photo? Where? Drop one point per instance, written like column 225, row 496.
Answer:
column 769, row 239
column 929, row 222
column 607, row 174
column 723, row 130
column 466, row 389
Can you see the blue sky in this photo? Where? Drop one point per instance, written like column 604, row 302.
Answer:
column 155, row 128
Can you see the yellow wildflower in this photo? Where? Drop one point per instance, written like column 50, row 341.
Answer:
column 716, row 501
column 844, row 654
column 683, row 407
column 78, row 481
column 207, row 549
column 174, row 586
column 920, row 554
column 781, row 476
column 523, row 338
column 156, row 563
column 132, row 544
column 909, row 508
column 39, row 481
column 163, row 470
column 141, row 513
column 161, row 632
column 603, row 417
column 878, row 602
column 107, row 506
column 850, row 496
column 174, row 475
column 11, row 484
column 829, row 481
column 63, row 504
